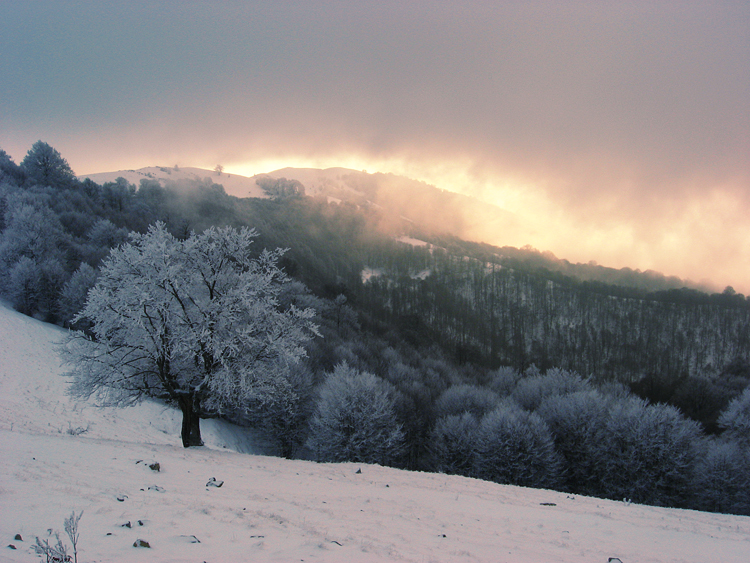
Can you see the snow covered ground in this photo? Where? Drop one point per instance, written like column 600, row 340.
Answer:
column 270, row 509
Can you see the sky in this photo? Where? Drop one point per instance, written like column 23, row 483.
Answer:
column 618, row 132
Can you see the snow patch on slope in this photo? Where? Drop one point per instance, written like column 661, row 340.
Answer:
column 413, row 241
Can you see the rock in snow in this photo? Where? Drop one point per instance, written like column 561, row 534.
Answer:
column 212, row 482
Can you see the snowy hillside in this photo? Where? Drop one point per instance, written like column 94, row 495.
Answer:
column 59, row 456
column 318, row 180
column 235, row 185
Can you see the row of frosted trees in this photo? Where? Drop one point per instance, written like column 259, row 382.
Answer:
column 552, row 430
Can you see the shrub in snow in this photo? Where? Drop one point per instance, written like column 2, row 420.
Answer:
column 577, row 422
column 354, row 419
column 722, row 479
column 453, row 444
column 58, row 551
column 515, row 447
column 736, row 420
column 284, row 415
column 531, row 391
column 647, row 453
column 459, row 399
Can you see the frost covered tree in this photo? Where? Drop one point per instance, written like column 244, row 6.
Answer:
column 647, row 453
column 515, row 447
column 465, row 398
column 284, row 416
column 736, row 419
column 722, row 479
column 74, row 292
column 576, row 421
column 44, row 165
column 355, row 419
column 196, row 322
column 534, row 387
column 453, row 443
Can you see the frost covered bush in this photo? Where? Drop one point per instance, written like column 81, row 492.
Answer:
column 459, row 399
column 284, row 415
column 531, row 391
column 58, row 551
column 515, row 447
column 355, row 419
column 453, row 444
column 577, row 422
column 503, row 380
column 647, row 453
column 736, row 420
column 722, row 479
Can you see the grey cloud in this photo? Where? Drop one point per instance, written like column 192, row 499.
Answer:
column 617, row 113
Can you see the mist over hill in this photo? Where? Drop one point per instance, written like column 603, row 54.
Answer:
column 411, row 206
column 455, row 344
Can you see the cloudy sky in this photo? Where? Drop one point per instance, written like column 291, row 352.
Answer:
column 617, row 131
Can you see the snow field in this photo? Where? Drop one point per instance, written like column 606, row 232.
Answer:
column 270, row 509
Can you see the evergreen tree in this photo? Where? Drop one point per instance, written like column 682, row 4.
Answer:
column 46, row 167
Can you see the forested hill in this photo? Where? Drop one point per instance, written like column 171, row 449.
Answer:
column 438, row 213
column 459, row 339
column 484, row 304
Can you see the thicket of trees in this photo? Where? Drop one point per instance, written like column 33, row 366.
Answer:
column 457, row 357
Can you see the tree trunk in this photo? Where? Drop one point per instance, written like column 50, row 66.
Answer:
column 191, row 429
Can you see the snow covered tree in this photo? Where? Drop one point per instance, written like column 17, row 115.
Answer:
column 355, row 419
column 722, row 479
column 465, row 398
column 284, row 416
column 577, row 421
column 44, row 165
column 515, row 447
column 647, row 453
column 736, row 420
column 196, row 322
column 453, row 444
column 533, row 389
column 74, row 292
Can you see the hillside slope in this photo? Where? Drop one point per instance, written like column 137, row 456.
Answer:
column 238, row 186
column 271, row 509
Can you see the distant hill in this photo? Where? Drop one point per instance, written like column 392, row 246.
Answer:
column 238, row 186
column 430, row 208
column 413, row 208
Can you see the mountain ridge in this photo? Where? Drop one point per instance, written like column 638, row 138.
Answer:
column 438, row 213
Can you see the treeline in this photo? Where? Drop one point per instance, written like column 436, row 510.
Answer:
column 499, row 315
column 450, row 358
column 545, row 430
